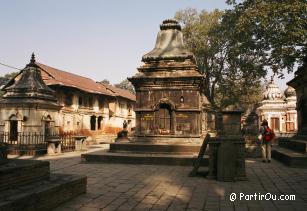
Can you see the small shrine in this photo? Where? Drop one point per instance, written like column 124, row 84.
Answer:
column 28, row 107
column 278, row 108
column 168, row 99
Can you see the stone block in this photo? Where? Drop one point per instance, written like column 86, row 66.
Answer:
column 53, row 148
column 226, row 162
column 80, row 143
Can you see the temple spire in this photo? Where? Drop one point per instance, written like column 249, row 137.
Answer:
column 32, row 61
column 169, row 44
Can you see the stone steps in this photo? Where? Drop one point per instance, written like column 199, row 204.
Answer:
column 44, row 194
column 294, row 144
column 289, row 157
column 28, row 185
column 19, row 172
column 142, row 158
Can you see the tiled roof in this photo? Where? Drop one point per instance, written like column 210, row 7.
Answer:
column 53, row 76
column 120, row 92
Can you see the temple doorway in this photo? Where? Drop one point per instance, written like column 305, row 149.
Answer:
column 93, row 122
column 13, row 130
column 163, row 119
column 47, row 129
column 99, row 122
column 275, row 124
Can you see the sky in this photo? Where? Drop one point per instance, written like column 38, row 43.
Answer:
column 98, row 39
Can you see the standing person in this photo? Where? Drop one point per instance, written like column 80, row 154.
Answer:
column 266, row 136
column 125, row 125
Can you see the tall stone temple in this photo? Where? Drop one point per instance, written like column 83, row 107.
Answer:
column 168, row 100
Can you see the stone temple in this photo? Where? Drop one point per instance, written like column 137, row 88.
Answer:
column 278, row 108
column 168, row 99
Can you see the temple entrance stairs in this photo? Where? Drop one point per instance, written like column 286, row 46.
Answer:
column 291, row 151
column 28, row 185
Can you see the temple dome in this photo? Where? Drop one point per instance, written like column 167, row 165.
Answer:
column 169, row 44
column 272, row 92
column 290, row 92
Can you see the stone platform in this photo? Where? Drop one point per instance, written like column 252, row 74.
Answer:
column 291, row 151
column 140, row 158
column 20, row 172
column 145, row 147
column 28, row 185
column 44, row 194
column 146, row 153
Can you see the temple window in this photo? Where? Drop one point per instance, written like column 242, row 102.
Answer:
column 121, row 108
column 80, row 100
column 100, row 103
column 181, row 99
column 90, row 102
column 129, row 110
column 68, row 100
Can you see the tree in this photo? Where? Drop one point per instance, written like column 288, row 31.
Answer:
column 229, row 69
column 105, row 81
column 5, row 79
column 276, row 30
column 125, row 84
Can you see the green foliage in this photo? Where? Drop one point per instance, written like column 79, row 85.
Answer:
column 275, row 30
column 5, row 79
column 105, row 81
column 235, row 48
column 229, row 69
column 125, row 84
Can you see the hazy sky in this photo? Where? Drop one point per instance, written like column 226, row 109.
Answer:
column 98, row 39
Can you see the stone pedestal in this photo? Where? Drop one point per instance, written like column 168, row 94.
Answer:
column 80, row 143
column 54, row 146
column 227, row 158
column 227, row 150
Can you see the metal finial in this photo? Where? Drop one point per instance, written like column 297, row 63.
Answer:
column 272, row 78
column 32, row 58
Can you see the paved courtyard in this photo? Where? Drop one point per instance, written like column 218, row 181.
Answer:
column 146, row 187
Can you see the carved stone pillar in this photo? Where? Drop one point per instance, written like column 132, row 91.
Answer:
column 227, row 150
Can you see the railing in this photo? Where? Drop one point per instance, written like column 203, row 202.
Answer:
column 67, row 142
column 24, row 143
column 35, row 143
column 22, row 138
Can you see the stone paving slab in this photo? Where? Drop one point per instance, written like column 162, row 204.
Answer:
column 155, row 187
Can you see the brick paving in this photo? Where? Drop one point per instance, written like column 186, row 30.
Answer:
column 147, row 187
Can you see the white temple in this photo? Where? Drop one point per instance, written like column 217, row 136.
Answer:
column 278, row 108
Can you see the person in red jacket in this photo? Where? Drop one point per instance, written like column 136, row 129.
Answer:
column 266, row 136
